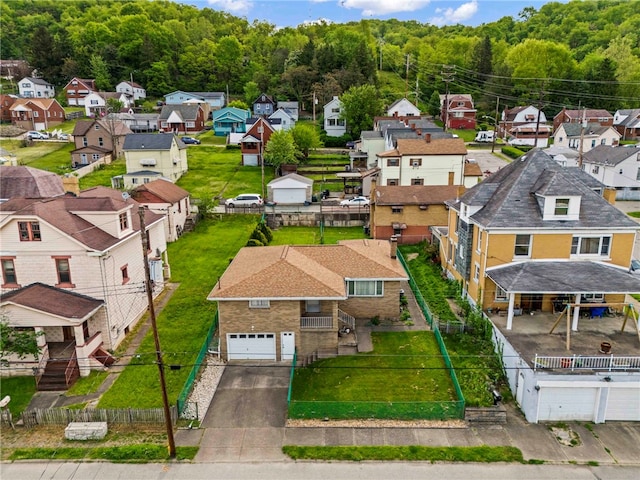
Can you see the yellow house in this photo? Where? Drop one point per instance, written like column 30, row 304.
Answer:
column 535, row 236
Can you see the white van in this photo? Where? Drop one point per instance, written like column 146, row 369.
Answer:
column 485, row 136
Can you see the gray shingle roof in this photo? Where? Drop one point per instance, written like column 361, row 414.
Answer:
column 151, row 141
column 607, row 155
column 575, row 129
column 562, row 277
column 187, row 111
column 508, row 197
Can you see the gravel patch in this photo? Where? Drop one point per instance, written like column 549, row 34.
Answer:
column 204, row 388
column 377, row 423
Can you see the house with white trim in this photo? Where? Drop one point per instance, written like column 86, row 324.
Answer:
column 333, row 124
column 31, row 87
column 73, row 271
column 618, row 168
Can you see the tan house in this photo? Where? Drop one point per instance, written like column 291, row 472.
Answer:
column 275, row 301
column 409, row 213
column 98, row 140
column 36, row 113
column 166, row 198
column 150, row 156
column 543, row 253
column 72, row 269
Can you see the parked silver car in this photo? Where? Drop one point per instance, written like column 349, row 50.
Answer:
column 245, row 200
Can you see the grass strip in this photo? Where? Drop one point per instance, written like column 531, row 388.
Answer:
column 140, row 453
column 480, row 454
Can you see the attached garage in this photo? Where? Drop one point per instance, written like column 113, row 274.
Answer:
column 567, row 403
column 623, row 403
column 290, row 189
column 251, row 346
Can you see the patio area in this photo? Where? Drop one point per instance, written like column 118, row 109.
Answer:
column 530, row 337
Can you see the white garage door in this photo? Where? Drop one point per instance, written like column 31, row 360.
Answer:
column 289, row 195
column 251, row 346
column 250, row 160
column 623, row 404
column 557, row 403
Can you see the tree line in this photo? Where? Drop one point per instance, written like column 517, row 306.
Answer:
column 582, row 53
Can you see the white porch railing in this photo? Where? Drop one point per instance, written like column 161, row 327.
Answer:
column 606, row 363
column 347, row 319
column 316, row 322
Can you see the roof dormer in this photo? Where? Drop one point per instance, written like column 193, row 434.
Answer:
column 564, row 207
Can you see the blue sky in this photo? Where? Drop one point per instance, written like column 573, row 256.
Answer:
column 290, row 13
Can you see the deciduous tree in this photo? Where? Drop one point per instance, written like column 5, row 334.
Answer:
column 21, row 343
column 359, row 107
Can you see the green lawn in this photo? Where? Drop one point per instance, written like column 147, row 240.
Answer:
column 311, row 235
column 476, row 365
column 404, row 366
column 197, row 261
column 20, row 389
column 102, row 175
column 214, row 171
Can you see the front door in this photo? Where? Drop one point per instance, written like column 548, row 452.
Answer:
column 287, row 345
column 67, row 334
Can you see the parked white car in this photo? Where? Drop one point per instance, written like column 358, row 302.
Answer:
column 245, row 200
column 33, row 135
column 355, row 202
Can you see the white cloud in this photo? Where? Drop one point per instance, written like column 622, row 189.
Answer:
column 373, row 8
column 236, row 7
column 451, row 16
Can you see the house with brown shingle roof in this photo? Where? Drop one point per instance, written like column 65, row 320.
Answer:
column 28, row 182
column 409, row 213
column 166, row 198
column 88, row 245
column 36, row 113
column 273, row 301
column 98, row 140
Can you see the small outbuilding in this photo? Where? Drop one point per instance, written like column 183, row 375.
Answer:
column 290, row 189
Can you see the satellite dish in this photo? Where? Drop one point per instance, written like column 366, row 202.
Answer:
column 125, row 196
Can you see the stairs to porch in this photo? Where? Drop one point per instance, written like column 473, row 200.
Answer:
column 104, row 357
column 59, row 374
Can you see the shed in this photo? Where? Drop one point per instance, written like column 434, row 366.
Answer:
column 290, row 189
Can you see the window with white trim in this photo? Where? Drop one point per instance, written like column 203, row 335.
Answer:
column 523, row 246
column 365, row 288
column 259, row 303
column 396, row 208
column 476, row 273
column 312, row 306
column 561, row 207
column 479, row 244
column 501, row 295
column 591, row 245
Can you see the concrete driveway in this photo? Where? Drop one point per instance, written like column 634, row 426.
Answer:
column 246, row 418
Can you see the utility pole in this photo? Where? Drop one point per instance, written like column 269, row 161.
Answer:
column 406, row 84
column 261, row 132
column 495, row 126
column 447, row 76
column 314, row 101
column 582, row 127
column 156, row 338
column 535, row 145
column 417, row 91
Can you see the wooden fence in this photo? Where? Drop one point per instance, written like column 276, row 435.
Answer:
column 63, row 416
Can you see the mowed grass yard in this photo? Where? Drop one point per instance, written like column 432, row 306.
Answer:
column 312, row 235
column 197, row 260
column 403, row 367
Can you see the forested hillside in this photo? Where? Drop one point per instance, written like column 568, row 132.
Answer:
column 580, row 53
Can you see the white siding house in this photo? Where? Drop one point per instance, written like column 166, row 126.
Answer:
column 82, row 253
column 617, row 168
column 30, row 87
column 403, row 108
column 132, row 90
column 573, row 135
column 333, row 124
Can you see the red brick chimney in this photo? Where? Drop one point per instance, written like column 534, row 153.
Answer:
column 427, row 137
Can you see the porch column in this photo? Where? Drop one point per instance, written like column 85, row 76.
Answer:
column 512, row 302
column 81, row 355
column 41, row 339
column 576, row 313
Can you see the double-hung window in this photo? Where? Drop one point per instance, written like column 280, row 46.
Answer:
column 9, row 272
column 523, row 246
column 365, row 288
column 501, row 295
column 29, row 231
column 591, row 246
column 64, row 271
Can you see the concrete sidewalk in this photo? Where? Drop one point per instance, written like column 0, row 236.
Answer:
column 603, row 444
